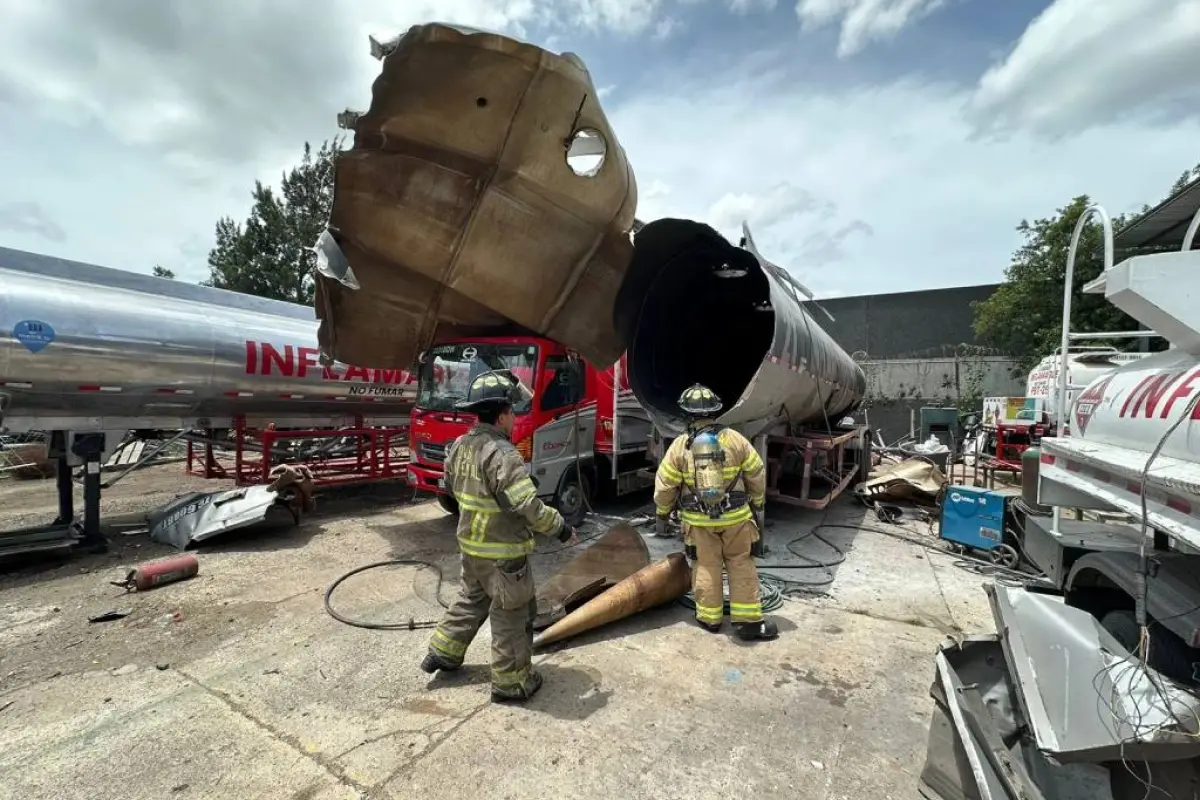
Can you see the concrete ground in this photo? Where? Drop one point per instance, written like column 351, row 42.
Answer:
column 237, row 684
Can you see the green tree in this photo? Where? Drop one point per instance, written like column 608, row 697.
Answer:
column 270, row 254
column 160, row 271
column 1024, row 316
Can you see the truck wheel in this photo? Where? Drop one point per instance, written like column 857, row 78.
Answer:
column 1168, row 654
column 574, row 497
column 448, row 504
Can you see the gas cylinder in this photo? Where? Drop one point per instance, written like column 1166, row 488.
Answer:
column 156, row 573
column 1031, row 461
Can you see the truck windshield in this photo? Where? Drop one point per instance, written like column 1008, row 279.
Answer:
column 448, row 370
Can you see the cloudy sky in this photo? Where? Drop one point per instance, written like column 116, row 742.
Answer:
column 873, row 145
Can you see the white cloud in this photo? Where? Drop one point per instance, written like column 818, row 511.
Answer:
column 863, row 21
column 1085, row 62
column 750, row 6
column 857, row 190
column 881, row 188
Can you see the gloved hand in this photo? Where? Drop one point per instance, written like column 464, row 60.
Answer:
column 759, row 548
column 689, row 550
column 661, row 528
column 760, row 520
column 568, row 536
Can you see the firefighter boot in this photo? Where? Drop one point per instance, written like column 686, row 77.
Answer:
column 435, row 661
column 711, row 627
column 521, row 693
column 750, row 631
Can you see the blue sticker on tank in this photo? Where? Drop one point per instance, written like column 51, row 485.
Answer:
column 33, row 334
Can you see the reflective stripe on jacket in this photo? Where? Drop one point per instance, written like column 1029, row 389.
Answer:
column 676, row 476
column 499, row 510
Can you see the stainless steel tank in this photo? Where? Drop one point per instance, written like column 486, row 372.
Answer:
column 89, row 348
column 696, row 309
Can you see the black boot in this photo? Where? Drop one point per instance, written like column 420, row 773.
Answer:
column 434, row 661
column 518, row 694
column 749, row 631
column 711, row 627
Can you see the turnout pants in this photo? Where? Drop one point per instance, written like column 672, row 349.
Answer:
column 504, row 591
column 728, row 548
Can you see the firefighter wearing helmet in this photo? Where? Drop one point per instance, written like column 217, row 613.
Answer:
column 499, row 514
column 718, row 481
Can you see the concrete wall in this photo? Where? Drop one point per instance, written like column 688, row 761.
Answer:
column 921, row 324
column 898, row 388
column 917, row 349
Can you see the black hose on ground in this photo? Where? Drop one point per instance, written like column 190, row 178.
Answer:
column 412, row 624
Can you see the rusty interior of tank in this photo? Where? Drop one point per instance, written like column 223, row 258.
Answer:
column 705, row 316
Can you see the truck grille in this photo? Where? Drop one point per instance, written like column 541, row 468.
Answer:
column 432, row 453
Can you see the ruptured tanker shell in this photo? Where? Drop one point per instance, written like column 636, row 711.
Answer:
column 696, row 309
column 89, row 348
column 485, row 194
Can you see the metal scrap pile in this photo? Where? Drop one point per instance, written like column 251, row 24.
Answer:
column 1054, row 708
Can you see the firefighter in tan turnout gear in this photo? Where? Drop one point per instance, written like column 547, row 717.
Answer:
column 499, row 513
column 719, row 482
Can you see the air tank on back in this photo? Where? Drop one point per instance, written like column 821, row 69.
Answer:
column 89, row 348
column 696, row 309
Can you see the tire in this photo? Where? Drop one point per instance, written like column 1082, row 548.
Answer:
column 574, row 496
column 448, row 504
column 1168, row 654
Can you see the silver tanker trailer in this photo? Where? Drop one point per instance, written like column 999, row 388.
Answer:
column 88, row 353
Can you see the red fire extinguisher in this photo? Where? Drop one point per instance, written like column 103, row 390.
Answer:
column 156, row 573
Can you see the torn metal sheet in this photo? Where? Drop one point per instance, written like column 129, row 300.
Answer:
column 1085, row 697
column 977, row 746
column 911, row 479
column 201, row 515
column 609, row 560
column 485, row 193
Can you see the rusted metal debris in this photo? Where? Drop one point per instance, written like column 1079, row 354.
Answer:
column 653, row 585
column 610, row 559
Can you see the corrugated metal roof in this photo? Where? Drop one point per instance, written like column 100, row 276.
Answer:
column 1165, row 224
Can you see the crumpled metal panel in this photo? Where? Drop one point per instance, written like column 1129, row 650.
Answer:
column 978, row 748
column 456, row 213
column 1085, row 697
column 606, row 562
column 198, row 516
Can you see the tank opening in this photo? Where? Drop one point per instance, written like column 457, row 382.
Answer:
column 706, row 315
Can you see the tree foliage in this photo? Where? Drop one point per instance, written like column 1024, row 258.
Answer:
column 1024, row 316
column 270, row 254
column 160, row 271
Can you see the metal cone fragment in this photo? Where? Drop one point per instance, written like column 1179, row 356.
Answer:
column 650, row 586
column 607, row 561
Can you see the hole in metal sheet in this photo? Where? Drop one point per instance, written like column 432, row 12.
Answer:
column 481, row 101
column 585, row 152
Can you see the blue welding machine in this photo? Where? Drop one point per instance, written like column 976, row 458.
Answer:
column 974, row 517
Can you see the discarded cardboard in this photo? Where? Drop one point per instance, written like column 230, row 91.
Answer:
column 458, row 211
column 610, row 559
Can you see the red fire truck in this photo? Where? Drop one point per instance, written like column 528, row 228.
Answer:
column 582, row 431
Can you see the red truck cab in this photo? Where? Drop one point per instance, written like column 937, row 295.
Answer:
column 581, row 428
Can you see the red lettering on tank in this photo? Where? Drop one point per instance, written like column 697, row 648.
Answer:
column 1155, row 391
column 308, row 358
column 1137, row 391
column 285, row 362
column 251, row 357
column 1182, row 391
column 389, row 376
column 296, row 361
